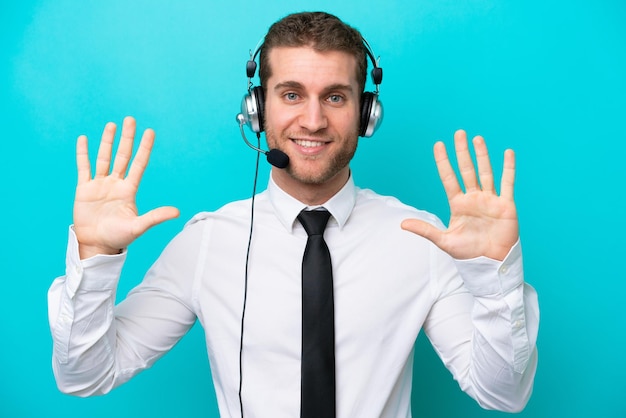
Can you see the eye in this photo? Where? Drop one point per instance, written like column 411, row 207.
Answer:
column 335, row 98
column 291, row 96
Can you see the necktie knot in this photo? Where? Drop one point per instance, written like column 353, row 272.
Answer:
column 314, row 221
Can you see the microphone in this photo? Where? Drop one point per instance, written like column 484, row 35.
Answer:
column 275, row 157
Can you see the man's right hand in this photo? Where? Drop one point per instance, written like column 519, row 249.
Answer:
column 105, row 212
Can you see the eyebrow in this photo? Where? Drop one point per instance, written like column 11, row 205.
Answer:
column 300, row 86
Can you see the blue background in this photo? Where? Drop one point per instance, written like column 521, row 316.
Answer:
column 546, row 78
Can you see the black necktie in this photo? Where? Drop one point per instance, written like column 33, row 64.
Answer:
column 318, row 321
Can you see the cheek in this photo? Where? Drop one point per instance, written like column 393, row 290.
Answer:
column 276, row 120
column 276, row 115
column 350, row 120
column 348, row 125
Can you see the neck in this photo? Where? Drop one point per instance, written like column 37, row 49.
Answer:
column 308, row 193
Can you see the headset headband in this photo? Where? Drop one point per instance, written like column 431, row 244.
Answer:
column 376, row 74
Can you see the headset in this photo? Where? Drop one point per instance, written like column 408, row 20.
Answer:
column 253, row 103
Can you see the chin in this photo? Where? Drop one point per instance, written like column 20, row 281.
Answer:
column 314, row 177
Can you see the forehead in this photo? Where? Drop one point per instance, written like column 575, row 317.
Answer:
column 307, row 66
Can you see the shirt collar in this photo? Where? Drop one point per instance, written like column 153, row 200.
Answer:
column 287, row 207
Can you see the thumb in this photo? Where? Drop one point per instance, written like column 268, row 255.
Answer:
column 423, row 229
column 155, row 217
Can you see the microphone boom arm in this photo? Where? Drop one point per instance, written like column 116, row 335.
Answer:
column 275, row 157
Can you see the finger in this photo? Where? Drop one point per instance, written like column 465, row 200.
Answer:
column 446, row 173
column 103, row 160
column 82, row 160
column 423, row 229
column 485, row 173
column 508, row 175
column 125, row 149
column 464, row 159
column 140, row 162
column 154, row 217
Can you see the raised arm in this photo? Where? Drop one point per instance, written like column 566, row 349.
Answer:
column 486, row 331
column 106, row 219
column 97, row 345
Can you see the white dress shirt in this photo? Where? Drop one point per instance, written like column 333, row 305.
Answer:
column 480, row 316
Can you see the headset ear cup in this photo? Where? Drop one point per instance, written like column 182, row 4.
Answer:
column 371, row 114
column 366, row 107
column 252, row 107
column 258, row 97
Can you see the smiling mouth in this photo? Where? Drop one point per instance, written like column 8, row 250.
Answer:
column 305, row 143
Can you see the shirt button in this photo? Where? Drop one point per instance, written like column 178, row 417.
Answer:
column 504, row 269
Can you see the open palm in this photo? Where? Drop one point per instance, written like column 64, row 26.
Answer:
column 106, row 219
column 481, row 222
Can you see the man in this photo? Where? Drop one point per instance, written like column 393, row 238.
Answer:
column 395, row 269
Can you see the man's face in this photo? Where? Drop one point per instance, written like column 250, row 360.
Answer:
column 312, row 113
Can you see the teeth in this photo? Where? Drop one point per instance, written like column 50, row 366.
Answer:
column 307, row 143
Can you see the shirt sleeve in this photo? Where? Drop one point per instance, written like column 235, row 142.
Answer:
column 97, row 345
column 484, row 327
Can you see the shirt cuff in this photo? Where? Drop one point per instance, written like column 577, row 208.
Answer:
column 100, row 272
column 485, row 276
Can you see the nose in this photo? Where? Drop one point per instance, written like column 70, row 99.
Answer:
column 313, row 117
